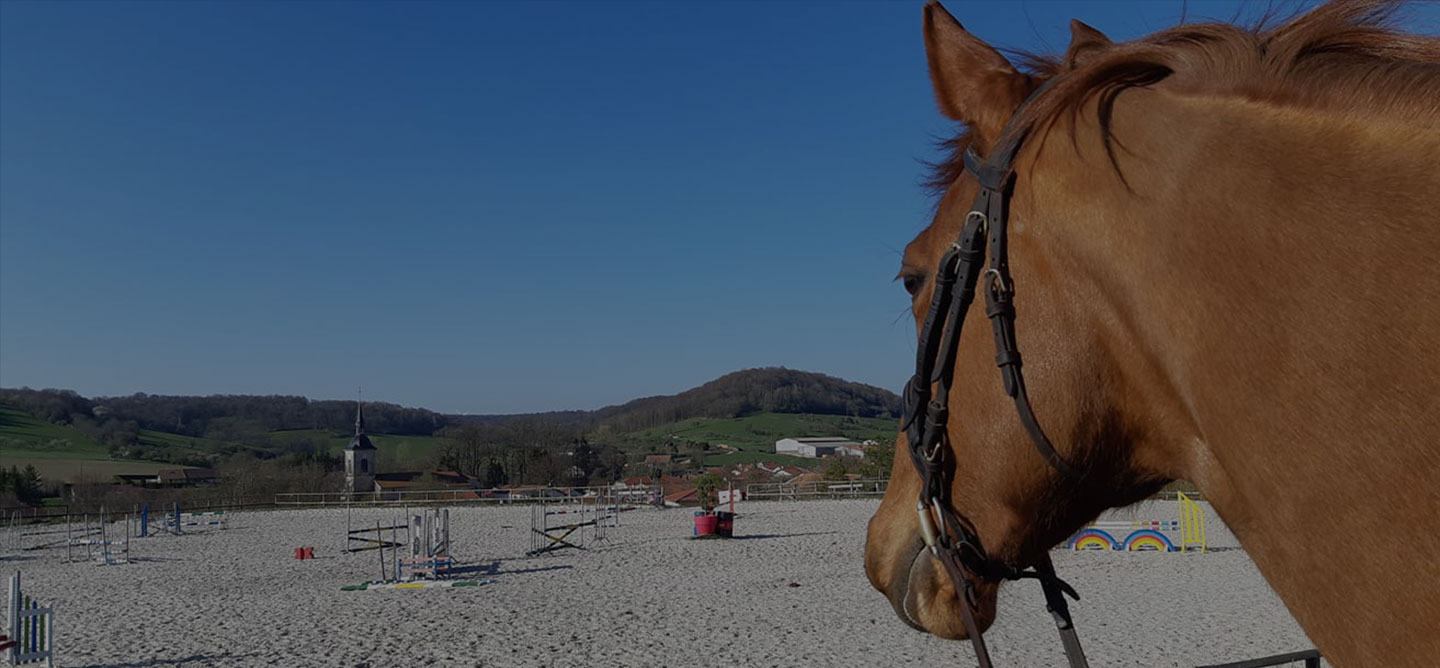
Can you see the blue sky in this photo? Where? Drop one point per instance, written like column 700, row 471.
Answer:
column 473, row 207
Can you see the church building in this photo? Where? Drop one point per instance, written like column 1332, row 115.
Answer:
column 360, row 459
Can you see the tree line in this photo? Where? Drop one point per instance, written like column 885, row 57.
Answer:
column 217, row 416
column 20, row 487
column 528, row 451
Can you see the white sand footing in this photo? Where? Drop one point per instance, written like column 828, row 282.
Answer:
column 646, row 597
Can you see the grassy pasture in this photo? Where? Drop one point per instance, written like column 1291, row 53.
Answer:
column 758, row 433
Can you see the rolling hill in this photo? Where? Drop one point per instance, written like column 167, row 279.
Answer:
column 745, row 412
column 59, row 452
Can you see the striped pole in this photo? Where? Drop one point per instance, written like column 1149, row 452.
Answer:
column 381, row 551
column 31, row 627
column 395, row 542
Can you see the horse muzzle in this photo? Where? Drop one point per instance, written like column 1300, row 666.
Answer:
column 920, row 590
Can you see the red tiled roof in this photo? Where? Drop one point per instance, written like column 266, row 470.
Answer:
column 451, row 478
column 682, row 496
column 670, row 485
column 186, row 475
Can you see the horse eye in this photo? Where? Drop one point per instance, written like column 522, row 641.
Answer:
column 912, row 284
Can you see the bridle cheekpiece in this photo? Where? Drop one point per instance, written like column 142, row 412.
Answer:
column 950, row 537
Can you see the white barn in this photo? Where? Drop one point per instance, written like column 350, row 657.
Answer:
column 817, row 447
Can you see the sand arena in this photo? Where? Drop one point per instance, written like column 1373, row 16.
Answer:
column 789, row 591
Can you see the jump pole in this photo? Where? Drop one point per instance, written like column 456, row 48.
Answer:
column 127, row 543
column 381, row 550
column 395, row 539
column 104, row 537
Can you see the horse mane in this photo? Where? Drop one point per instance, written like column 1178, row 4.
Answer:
column 1345, row 54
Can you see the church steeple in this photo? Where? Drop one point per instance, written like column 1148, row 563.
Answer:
column 360, row 457
column 360, row 441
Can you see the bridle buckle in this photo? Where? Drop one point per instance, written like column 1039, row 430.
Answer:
column 995, row 282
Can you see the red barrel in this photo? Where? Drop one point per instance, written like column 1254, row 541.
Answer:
column 705, row 525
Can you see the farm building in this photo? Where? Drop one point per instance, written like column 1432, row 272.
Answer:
column 819, row 447
column 171, row 478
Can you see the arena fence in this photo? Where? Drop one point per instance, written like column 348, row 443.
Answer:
column 522, row 495
column 819, row 489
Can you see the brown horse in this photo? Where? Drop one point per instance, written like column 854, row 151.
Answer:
column 1225, row 246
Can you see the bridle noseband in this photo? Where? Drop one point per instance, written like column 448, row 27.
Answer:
column 950, row 537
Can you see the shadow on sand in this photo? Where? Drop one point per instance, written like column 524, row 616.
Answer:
column 194, row 659
column 493, row 568
column 766, row 536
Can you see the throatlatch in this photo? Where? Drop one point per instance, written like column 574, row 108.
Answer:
column 950, row 537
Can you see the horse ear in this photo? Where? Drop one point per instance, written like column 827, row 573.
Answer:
column 973, row 83
column 1084, row 42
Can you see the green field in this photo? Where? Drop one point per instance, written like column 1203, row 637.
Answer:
column 757, row 433
column 22, row 434
column 80, row 470
column 411, row 450
column 60, row 453
column 181, row 443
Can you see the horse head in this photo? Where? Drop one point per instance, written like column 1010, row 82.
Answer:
column 1174, row 245
column 1016, row 502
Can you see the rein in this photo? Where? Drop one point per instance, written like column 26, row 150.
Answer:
column 950, row 536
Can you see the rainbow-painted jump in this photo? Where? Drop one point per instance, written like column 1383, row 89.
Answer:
column 1146, row 535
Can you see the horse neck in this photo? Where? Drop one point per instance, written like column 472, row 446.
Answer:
column 1276, row 270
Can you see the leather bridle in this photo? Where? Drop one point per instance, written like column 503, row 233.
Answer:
column 949, row 535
